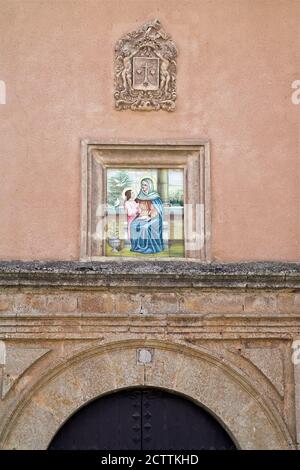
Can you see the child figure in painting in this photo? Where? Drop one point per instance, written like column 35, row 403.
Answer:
column 131, row 207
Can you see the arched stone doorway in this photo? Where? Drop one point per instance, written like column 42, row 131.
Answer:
column 141, row 419
column 231, row 396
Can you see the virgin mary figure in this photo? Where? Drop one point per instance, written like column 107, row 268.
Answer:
column 146, row 230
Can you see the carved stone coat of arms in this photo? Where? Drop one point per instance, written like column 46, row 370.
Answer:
column 145, row 69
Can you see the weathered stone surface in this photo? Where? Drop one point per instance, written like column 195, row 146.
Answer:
column 94, row 318
column 61, row 303
column 95, row 302
column 265, row 302
column 269, row 362
column 214, row 302
column 253, row 422
column 17, row 361
column 297, row 401
column 156, row 273
column 2, row 353
column 160, row 303
column 128, row 303
column 29, row 302
column 5, row 302
column 289, row 303
column 215, row 387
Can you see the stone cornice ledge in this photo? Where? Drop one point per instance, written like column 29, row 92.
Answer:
column 160, row 274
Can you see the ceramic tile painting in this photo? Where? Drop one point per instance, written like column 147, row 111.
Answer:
column 145, row 200
column 145, row 212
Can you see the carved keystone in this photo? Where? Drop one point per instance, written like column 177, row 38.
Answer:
column 145, row 356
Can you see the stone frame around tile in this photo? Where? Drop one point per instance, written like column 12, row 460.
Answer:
column 192, row 156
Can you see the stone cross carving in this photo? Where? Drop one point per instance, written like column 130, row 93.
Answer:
column 145, row 69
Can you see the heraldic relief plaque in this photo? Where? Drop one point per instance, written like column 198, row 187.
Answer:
column 145, row 69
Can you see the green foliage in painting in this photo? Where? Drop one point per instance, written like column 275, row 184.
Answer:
column 176, row 198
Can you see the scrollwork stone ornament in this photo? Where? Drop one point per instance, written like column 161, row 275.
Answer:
column 145, row 69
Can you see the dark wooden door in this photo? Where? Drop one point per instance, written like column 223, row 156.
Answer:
column 144, row 419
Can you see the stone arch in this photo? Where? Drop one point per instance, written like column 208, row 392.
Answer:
column 198, row 374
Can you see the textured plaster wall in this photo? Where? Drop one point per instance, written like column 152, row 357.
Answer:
column 237, row 60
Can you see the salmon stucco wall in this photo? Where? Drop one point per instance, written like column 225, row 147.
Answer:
column 236, row 64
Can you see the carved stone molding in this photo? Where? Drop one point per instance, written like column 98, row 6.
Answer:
column 153, row 273
column 195, row 372
column 145, row 69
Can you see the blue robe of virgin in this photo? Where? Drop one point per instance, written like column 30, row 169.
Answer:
column 146, row 236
